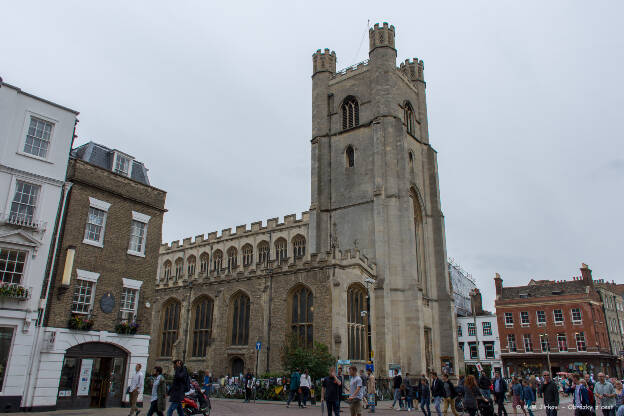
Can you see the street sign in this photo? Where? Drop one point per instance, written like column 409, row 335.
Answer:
column 258, row 345
column 370, row 367
column 479, row 367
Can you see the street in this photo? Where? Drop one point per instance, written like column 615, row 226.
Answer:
column 227, row 407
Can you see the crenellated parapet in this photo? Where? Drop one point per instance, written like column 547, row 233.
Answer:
column 413, row 70
column 324, row 61
column 272, row 224
column 381, row 36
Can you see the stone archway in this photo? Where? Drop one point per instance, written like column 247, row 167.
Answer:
column 237, row 366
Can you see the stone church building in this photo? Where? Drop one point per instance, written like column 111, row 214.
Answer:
column 374, row 227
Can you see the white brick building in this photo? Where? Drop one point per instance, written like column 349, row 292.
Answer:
column 487, row 349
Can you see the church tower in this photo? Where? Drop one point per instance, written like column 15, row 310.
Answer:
column 375, row 188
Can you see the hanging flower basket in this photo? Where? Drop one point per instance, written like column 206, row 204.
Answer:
column 127, row 328
column 81, row 323
column 14, row 291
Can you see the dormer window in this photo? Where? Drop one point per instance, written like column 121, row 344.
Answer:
column 121, row 164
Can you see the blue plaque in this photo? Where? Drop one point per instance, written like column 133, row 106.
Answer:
column 107, row 303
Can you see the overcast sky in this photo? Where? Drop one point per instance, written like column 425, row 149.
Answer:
column 525, row 104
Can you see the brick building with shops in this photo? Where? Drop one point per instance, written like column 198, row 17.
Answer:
column 558, row 321
column 98, row 319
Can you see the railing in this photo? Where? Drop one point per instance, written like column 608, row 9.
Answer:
column 352, row 67
column 22, row 220
column 14, row 291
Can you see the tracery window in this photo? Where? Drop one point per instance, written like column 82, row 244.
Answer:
column 170, row 322
column 247, row 255
column 263, row 252
column 350, row 113
column 299, row 246
column 419, row 237
column 217, row 261
column 301, row 316
column 166, row 270
column 409, row 119
column 356, row 324
column 202, row 325
column 281, row 250
column 240, row 319
column 232, row 254
column 179, row 268
column 350, row 156
column 190, row 266
column 203, row 263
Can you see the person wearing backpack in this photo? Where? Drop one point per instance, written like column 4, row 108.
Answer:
column 181, row 384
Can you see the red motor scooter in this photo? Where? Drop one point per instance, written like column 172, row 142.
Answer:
column 196, row 402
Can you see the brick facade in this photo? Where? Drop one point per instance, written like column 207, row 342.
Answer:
column 553, row 299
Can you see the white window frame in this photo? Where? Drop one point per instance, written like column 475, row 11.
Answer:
column 22, row 144
column 13, row 191
column 558, row 323
column 133, row 285
column 526, row 339
column 90, row 277
column 125, row 156
column 143, row 218
column 488, row 327
column 528, row 320
column 565, row 336
column 471, row 329
column 537, row 317
column 576, row 321
column 102, row 206
column 512, row 338
column 508, row 315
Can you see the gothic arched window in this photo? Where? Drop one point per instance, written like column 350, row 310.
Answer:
column 202, row 325
column 179, row 268
column 263, row 252
column 239, row 305
column 419, row 237
column 190, row 265
column 170, row 318
column 350, row 113
column 281, row 250
column 203, row 263
column 232, row 260
column 166, row 273
column 356, row 324
column 350, row 156
column 301, row 316
column 217, row 261
column 299, row 246
column 247, row 255
column 410, row 121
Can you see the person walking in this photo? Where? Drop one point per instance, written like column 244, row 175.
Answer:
column 437, row 391
column 295, row 379
column 397, row 380
column 248, row 381
column 472, row 394
column 619, row 399
column 580, row 398
column 516, row 393
column 409, row 393
column 371, row 388
column 425, row 396
column 528, row 396
column 605, row 392
column 331, row 388
column 208, row 381
column 500, row 389
column 355, row 398
column 550, row 392
column 484, row 385
column 136, row 386
column 449, row 395
column 158, row 400
column 180, row 385
column 305, row 384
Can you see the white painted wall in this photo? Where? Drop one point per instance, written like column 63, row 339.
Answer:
column 465, row 338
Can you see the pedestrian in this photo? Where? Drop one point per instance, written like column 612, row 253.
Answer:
column 355, row 398
column 528, row 396
column 485, row 385
column 342, row 383
column 425, row 396
column 619, row 399
column 248, row 383
column 180, row 385
column 589, row 383
column 605, row 392
column 409, row 393
column 397, row 380
column 331, row 387
column 136, row 386
column 364, row 384
column 516, row 393
column 500, row 389
column 208, row 381
column 550, row 392
column 449, row 395
column 371, row 388
column 437, row 391
column 305, row 384
column 580, row 398
column 472, row 394
column 159, row 391
column 295, row 379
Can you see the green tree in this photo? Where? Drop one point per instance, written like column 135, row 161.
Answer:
column 316, row 359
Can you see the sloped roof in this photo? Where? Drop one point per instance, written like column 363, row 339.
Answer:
column 542, row 289
column 103, row 157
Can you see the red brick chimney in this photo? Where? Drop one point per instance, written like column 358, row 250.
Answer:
column 498, row 282
column 586, row 272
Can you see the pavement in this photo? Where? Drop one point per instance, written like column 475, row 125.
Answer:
column 229, row 407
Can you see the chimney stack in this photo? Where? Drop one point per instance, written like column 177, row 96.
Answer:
column 498, row 282
column 586, row 272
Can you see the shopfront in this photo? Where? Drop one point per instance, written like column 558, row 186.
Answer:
column 92, row 375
